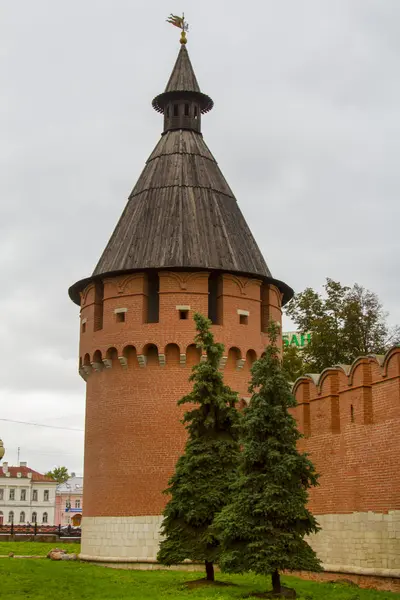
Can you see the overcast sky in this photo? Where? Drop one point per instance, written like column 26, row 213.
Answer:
column 306, row 129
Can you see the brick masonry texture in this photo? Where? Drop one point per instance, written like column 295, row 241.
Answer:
column 133, row 433
column 350, row 418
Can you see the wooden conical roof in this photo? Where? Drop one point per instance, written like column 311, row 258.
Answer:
column 182, row 78
column 181, row 213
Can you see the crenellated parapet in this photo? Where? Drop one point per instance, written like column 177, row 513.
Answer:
column 365, row 392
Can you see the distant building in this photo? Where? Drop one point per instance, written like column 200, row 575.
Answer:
column 69, row 501
column 26, row 496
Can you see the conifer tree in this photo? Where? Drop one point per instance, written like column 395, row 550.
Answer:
column 204, row 474
column 263, row 528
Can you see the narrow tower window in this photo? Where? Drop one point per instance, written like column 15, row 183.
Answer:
column 243, row 319
column 184, row 314
column 186, row 110
column 153, row 302
column 195, row 112
column 98, row 306
column 215, row 298
column 264, row 314
column 167, row 112
column 176, row 110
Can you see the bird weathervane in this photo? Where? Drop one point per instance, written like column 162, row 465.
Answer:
column 181, row 23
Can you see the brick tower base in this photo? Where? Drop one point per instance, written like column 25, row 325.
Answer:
column 136, row 371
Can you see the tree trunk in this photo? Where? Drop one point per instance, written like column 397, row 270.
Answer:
column 276, row 582
column 210, row 571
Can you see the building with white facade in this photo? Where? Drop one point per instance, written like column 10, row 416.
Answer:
column 26, row 496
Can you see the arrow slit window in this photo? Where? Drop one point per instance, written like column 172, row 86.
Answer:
column 98, row 306
column 215, row 298
column 153, row 301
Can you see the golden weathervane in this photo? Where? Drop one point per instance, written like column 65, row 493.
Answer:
column 181, row 23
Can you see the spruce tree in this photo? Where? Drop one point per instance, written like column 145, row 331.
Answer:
column 200, row 486
column 263, row 528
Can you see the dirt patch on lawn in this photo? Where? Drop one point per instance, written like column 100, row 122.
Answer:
column 368, row 582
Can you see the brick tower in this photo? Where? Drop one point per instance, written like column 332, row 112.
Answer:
column 180, row 246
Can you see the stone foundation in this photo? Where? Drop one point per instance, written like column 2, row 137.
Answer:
column 120, row 539
column 362, row 543
column 359, row 543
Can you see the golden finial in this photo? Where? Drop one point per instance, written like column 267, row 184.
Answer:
column 181, row 23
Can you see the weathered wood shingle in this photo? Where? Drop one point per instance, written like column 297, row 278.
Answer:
column 182, row 78
column 182, row 213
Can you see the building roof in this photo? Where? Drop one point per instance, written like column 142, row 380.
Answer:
column 182, row 78
column 75, row 486
column 182, row 213
column 36, row 476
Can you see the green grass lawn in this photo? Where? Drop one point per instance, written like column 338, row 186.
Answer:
column 35, row 548
column 43, row 579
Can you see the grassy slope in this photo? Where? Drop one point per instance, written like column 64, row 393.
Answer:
column 42, row 579
column 35, row 548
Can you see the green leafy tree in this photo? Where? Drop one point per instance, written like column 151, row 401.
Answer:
column 59, row 474
column 203, row 475
column 263, row 528
column 293, row 363
column 365, row 327
column 344, row 323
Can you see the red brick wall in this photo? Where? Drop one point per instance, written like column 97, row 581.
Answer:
column 351, row 420
column 133, row 430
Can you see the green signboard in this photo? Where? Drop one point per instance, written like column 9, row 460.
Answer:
column 294, row 338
